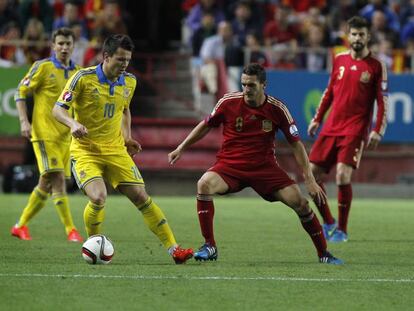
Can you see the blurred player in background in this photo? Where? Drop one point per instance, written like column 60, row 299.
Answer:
column 102, row 146
column 51, row 140
column 357, row 80
column 250, row 120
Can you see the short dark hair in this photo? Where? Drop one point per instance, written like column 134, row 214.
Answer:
column 357, row 22
column 113, row 42
column 63, row 31
column 255, row 69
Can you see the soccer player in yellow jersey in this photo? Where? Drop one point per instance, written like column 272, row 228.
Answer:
column 102, row 146
column 51, row 140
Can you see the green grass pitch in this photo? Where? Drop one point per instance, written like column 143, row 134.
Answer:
column 266, row 261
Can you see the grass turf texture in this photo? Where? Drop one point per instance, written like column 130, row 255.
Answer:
column 266, row 261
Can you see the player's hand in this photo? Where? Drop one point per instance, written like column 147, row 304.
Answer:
column 312, row 128
column 133, row 147
column 78, row 130
column 373, row 140
column 26, row 129
column 316, row 192
column 174, row 156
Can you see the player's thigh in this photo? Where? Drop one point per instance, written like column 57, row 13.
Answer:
column 52, row 156
column 292, row 197
column 95, row 189
column 120, row 170
column 324, row 152
column 135, row 193
column 350, row 150
column 211, row 182
column 87, row 168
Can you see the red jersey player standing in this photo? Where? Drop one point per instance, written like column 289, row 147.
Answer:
column 357, row 80
column 250, row 120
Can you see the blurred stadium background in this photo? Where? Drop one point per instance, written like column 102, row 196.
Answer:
column 294, row 40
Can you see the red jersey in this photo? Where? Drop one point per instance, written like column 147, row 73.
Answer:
column 353, row 87
column 249, row 132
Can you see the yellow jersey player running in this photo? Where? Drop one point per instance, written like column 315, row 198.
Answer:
column 102, row 146
column 51, row 140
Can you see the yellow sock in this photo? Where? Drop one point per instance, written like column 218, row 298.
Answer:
column 61, row 202
column 37, row 201
column 156, row 221
column 93, row 217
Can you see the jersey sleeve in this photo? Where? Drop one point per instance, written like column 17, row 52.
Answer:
column 31, row 81
column 71, row 90
column 382, row 100
column 216, row 117
column 287, row 124
column 129, row 90
column 326, row 99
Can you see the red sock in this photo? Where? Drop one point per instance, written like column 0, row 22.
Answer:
column 205, row 210
column 323, row 208
column 344, row 205
column 312, row 226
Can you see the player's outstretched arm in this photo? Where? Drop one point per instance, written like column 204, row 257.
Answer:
column 302, row 159
column 61, row 114
column 195, row 135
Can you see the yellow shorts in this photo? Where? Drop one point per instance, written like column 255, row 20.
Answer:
column 116, row 169
column 52, row 156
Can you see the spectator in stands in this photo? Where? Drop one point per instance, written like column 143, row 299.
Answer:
column 303, row 6
column 309, row 20
column 193, row 20
column 380, row 29
column 385, row 53
column 213, row 53
column 110, row 18
column 93, row 55
column 407, row 33
column 71, row 16
column 407, row 13
column 255, row 51
column 7, row 13
column 36, row 42
column 81, row 43
column 379, row 5
column 207, row 29
column 244, row 23
column 314, row 57
column 41, row 9
column 409, row 56
column 10, row 53
column 282, row 29
column 93, row 8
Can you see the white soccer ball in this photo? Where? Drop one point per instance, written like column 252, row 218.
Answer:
column 98, row 249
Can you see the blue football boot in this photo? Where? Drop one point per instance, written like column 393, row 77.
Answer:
column 328, row 258
column 206, row 252
column 338, row 236
column 328, row 229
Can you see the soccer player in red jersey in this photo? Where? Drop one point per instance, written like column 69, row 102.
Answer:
column 357, row 80
column 250, row 120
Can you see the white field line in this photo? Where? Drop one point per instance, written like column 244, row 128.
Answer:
column 206, row 278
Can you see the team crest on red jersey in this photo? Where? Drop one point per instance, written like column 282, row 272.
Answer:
column 267, row 125
column 365, row 77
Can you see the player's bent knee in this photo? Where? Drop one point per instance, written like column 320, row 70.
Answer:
column 97, row 198
column 204, row 186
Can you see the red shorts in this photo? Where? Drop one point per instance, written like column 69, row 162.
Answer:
column 327, row 151
column 265, row 179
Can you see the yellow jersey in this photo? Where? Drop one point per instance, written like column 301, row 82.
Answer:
column 46, row 80
column 98, row 104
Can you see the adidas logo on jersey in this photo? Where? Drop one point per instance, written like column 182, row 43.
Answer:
column 354, row 67
column 52, row 76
